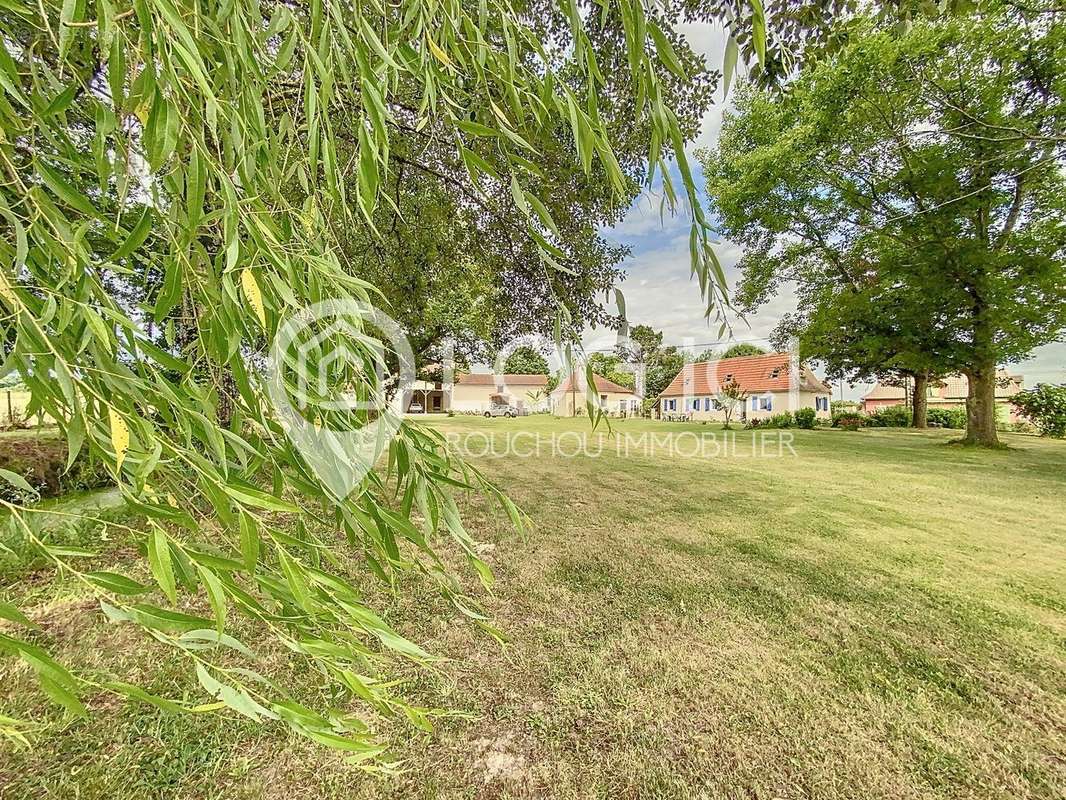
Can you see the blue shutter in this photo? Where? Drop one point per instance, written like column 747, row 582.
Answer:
column 770, row 402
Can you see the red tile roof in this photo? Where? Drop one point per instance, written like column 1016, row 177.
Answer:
column 603, row 385
column 766, row 373
column 508, row 378
column 952, row 387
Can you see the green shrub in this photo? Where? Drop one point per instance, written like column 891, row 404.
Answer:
column 849, row 420
column 42, row 462
column 890, row 417
column 782, row 420
column 1044, row 406
column 947, row 418
column 843, row 406
column 805, row 418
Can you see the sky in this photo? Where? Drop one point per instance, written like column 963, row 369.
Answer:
column 658, row 288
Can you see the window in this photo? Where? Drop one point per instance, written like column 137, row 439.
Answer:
column 755, row 404
column 729, row 377
column 762, row 403
column 706, row 404
column 776, row 371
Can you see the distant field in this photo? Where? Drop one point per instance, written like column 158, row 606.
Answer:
column 878, row 615
column 15, row 401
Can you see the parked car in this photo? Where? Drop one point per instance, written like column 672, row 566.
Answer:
column 502, row 410
column 414, row 408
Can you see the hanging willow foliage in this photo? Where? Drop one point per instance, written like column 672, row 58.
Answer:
column 151, row 251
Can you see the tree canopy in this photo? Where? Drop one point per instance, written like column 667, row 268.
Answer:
column 609, row 366
column 526, row 361
column 659, row 363
column 910, row 184
column 741, row 349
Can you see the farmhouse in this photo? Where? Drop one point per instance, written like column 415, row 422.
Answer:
column 570, row 397
column 950, row 392
column 474, row 391
column 766, row 381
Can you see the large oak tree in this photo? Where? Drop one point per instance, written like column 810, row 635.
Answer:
column 910, row 185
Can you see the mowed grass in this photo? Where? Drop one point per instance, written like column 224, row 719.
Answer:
column 879, row 615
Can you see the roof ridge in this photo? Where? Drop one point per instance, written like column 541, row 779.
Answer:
column 766, row 372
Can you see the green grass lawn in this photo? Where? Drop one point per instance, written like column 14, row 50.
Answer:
column 878, row 615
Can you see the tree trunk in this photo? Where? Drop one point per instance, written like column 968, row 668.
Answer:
column 981, row 406
column 920, row 401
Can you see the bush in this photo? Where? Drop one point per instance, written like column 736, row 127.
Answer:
column 42, row 462
column 805, row 418
column 890, row 417
column 947, row 418
column 1045, row 407
column 783, row 420
column 848, row 420
column 843, row 406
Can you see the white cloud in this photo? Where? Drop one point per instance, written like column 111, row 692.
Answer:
column 660, row 292
column 709, row 40
column 645, row 218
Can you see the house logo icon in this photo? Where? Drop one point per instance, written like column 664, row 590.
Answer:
column 324, row 354
column 333, row 392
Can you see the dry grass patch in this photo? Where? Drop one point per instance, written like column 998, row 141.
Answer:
column 880, row 616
